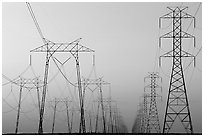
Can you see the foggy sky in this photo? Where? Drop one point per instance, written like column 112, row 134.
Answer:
column 125, row 39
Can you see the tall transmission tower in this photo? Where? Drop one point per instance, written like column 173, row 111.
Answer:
column 153, row 124
column 50, row 48
column 177, row 106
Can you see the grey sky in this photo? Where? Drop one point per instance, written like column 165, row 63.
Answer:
column 125, row 38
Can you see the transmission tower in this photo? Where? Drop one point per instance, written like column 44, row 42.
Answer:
column 50, row 48
column 66, row 102
column 102, row 105
column 116, row 118
column 22, row 82
column 138, row 121
column 177, row 103
column 153, row 124
column 97, row 82
column 100, row 102
column 109, row 102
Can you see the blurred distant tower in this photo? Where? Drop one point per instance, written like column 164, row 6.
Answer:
column 138, row 121
column 22, row 82
column 144, row 114
column 153, row 118
column 98, row 82
column 177, row 103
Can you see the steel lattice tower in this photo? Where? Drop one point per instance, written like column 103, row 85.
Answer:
column 153, row 118
column 136, row 125
column 66, row 102
column 50, row 48
column 22, row 82
column 177, row 103
column 98, row 82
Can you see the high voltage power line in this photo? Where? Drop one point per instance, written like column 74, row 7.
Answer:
column 101, row 114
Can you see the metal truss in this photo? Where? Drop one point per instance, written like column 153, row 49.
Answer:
column 22, row 82
column 153, row 125
column 177, row 106
column 50, row 48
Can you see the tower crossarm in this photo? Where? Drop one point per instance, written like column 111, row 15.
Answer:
column 171, row 35
column 170, row 15
column 96, row 82
column 71, row 47
column 183, row 54
column 153, row 86
column 173, row 54
column 61, row 100
column 28, row 81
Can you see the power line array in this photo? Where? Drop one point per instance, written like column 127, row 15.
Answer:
column 113, row 121
column 147, row 119
column 96, row 112
column 177, row 113
column 50, row 48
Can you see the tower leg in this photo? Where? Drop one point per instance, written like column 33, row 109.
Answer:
column 19, row 107
column 40, row 128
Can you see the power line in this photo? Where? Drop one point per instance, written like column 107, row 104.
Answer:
column 194, row 16
column 63, row 73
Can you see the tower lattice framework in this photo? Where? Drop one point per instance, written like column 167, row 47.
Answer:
column 153, row 124
column 177, row 106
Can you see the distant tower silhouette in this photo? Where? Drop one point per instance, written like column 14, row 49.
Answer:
column 153, row 124
column 22, row 82
column 137, row 123
column 144, row 114
column 177, row 103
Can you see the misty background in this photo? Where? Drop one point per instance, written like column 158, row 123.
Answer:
column 125, row 39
